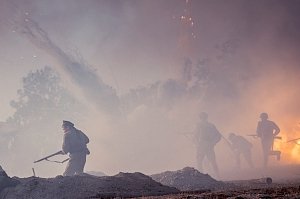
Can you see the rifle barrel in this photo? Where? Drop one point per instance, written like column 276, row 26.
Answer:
column 49, row 156
column 293, row 140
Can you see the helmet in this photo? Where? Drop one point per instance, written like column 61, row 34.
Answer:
column 67, row 123
column 203, row 116
column 264, row 116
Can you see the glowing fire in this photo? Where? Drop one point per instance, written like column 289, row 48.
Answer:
column 289, row 145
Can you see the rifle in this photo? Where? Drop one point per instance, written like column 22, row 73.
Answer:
column 253, row 135
column 256, row 136
column 293, row 140
column 272, row 151
column 49, row 156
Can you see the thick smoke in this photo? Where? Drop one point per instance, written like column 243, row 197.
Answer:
column 243, row 61
column 82, row 74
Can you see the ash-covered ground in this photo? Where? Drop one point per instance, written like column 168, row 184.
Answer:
column 185, row 183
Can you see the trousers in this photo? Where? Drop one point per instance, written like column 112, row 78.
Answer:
column 75, row 164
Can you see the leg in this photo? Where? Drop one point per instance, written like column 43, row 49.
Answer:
column 75, row 164
column 80, row 163
column 200, row 157
column 211, row 156
column 266, row 146
column 70, row 168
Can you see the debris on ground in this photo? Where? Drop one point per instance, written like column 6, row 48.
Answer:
column 187, row 179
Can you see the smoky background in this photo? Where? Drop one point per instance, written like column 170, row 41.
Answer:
column 143, row 74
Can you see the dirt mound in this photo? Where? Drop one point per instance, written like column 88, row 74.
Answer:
column 187, row 179
column 6, row 181
column 87, row 186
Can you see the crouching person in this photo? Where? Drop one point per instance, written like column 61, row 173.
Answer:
column 74, row 143
column 241, row 147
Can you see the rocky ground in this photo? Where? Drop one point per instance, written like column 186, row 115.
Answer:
column 185, row 183
column 87, row 186
column 194, row 184
column 282, row 191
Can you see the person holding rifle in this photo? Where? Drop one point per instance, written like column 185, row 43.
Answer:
column 75, row 143
column 267, row 130
column 206, row 137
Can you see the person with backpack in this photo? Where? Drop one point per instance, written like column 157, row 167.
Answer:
column 206, row 137
column 75, row 144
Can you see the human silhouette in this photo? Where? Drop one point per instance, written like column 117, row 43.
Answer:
column 74, row 143
column 267, row 131
column 206, row 137
column 241, row 147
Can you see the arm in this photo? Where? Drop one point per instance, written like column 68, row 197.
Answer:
column 216, row 135
column 66, row 145
column 276, row 128
column 258, row 129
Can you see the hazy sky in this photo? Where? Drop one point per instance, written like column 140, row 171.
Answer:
column 134, row 43
column 121, row 37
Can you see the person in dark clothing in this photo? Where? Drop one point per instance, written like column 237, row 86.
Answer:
column 267, row 130
column 207, row 136
column 241, row 146
column 74, row 143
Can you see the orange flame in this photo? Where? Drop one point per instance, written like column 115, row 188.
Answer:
column 289, row 145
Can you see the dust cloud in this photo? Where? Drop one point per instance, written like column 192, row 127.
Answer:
column 144, row 74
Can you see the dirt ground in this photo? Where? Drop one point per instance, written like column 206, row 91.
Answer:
column 291, row 191
column 186, row 183
column 86, row 186
column 194, row 185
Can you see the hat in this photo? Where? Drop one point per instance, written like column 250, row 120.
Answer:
column 67, row 123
